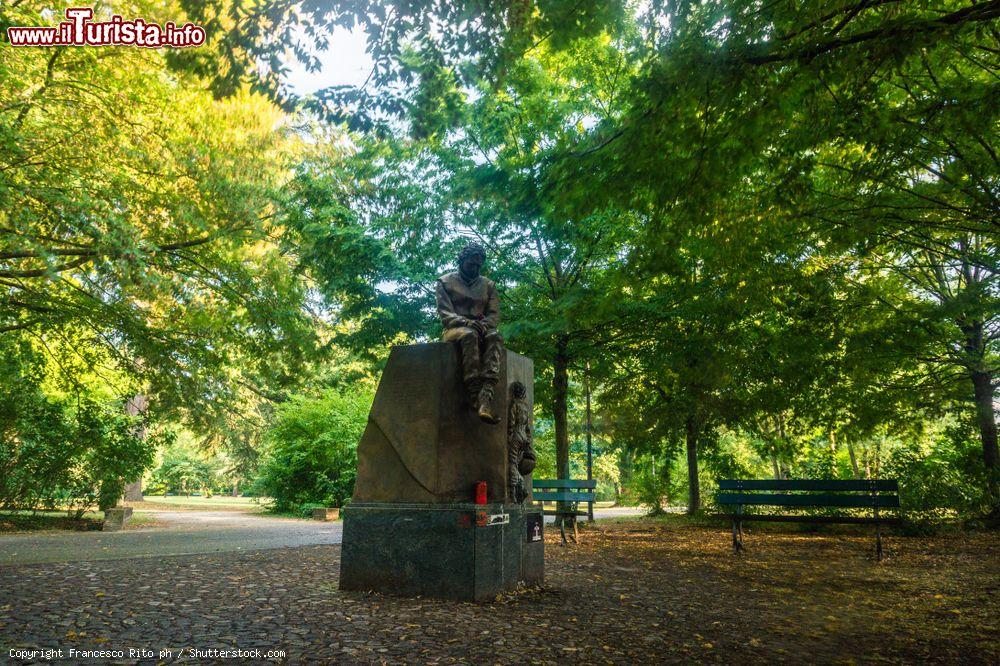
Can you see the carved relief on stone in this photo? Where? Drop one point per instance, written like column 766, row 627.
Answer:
column 521, row 455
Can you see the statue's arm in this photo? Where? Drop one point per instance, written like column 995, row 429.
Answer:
column 492, row 314
column 446, row 311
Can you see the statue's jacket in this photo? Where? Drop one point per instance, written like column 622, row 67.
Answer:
column 458, row 300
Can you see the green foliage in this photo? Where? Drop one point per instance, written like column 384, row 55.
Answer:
column 249, row 44
column 608, row 476
column 111, row 453
column 545, row 450
column 312, row 448
column 940, row 476
column 141, row 231
column 58, row 451
column 766, row 233
column 653, row 485
column 183, row 470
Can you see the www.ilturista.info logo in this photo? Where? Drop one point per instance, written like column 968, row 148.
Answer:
column 79, row 30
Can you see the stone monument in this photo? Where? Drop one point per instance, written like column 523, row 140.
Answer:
column 440, row 502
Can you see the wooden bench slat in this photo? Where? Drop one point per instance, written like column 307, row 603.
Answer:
column 887, row 485
column 818, row 500
column 556, row 512
column 846, row 520
column 563, row 483
column 562, row 496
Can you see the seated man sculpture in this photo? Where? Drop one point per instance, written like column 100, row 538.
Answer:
column 469, row 309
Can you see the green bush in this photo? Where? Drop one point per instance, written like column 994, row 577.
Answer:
column 60, row 452
column 110, row 453
column 183, row 471
column 943, row 480
column 657, row 482
column 306, row 510
column 311, row 454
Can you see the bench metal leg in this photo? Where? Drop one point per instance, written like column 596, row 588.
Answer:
column 737, row 536
column 562, row 528
column 576, row 534
column 878, row 542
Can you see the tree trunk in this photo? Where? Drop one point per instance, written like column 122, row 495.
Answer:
column 135, row 406
column 854, row 460
column 784, row 472
column 694, row 493
column 560, row 397
column 236, row 488
column 774, row 465
column 133, row 491
column 665, row 471
column 986, row 420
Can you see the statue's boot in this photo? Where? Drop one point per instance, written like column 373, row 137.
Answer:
column 485, row 402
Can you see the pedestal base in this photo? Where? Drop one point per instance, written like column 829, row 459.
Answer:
column 451, row 551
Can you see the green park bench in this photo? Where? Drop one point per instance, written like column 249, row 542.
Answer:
column 862, row 496
column 568, row 493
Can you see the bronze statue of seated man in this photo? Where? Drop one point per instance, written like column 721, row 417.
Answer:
column 469, row 309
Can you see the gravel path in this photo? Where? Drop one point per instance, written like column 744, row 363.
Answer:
column 185, row 533
column 181, row 533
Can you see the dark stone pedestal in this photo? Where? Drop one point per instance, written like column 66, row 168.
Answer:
column 411, row 528
column 424, row 443
column 451, row 551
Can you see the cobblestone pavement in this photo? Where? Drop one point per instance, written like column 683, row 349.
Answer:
column 631, row 592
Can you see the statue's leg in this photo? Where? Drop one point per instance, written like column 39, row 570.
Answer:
column 490, row 364
column 468, row 341
column 492, row 346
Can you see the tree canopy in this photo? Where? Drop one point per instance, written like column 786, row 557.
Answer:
column 763, row 233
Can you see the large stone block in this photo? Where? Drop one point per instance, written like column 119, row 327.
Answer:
column 452, row 551
column 423, row 442
column 326, row 514
column 116, row 518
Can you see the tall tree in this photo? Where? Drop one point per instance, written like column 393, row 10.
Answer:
column 141, row 217
column 475, row 168
column 879, row 150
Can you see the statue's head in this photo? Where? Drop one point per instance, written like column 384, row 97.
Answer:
column 470, row 260
column 517, row 391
